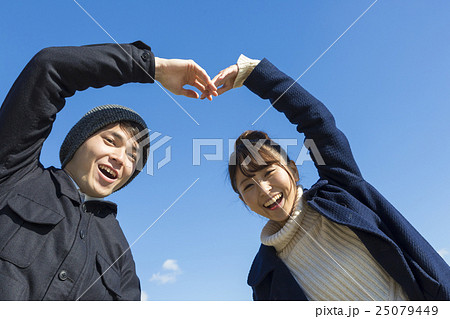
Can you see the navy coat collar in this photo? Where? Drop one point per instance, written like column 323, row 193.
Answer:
column 265, row 262
column 272, row 279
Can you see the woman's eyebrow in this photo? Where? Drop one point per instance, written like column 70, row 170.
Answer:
column 244, row 180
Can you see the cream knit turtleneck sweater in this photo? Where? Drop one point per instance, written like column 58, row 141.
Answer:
column 327, row 259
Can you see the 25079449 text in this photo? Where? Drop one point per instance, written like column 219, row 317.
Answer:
column 406, row 310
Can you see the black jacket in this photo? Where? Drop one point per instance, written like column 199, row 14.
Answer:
column 343, row 196
column 52, row 246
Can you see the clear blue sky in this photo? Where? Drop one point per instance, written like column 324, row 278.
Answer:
column 386, row 81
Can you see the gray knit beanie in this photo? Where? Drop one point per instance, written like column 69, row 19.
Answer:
column 95, row 120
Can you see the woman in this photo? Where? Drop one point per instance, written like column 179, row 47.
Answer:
column 339, row 240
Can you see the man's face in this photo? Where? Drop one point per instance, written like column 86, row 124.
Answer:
column 104, row 162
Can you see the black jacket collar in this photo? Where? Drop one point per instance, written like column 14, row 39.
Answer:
column 65, row 186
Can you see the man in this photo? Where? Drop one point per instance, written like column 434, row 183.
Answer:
column 58, row 239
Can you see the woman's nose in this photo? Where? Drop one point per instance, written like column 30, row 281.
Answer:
column 265, row 186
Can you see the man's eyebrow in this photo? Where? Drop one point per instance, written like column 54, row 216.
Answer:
column 121, row 139
column 117, row 136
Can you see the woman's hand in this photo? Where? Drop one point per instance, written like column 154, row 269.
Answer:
column 225, row 79
column 173, row 74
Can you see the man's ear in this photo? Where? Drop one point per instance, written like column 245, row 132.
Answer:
column 294, row 170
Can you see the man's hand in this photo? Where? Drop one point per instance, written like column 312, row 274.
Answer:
column 173, row 74
column 225, row 79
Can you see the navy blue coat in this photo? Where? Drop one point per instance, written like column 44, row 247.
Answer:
column 343, row 196
column 53, row 246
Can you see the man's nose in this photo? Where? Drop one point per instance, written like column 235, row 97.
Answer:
column 119, row 155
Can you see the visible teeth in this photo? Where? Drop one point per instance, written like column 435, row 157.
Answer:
column 110, row 171
column 272, row 200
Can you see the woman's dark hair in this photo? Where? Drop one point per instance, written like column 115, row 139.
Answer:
column 253, row 151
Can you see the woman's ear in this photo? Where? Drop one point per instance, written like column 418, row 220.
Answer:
column 294, row 170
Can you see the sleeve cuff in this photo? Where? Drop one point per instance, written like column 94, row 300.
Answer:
column 246, row 67
column 147, row 58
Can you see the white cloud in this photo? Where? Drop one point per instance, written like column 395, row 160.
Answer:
column 443, row 252
column 144, row 296
column 171, row 264
column 171, row 270
column 164, row 278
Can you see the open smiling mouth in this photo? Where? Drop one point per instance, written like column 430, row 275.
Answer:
column 108, row 172
column 274, row 201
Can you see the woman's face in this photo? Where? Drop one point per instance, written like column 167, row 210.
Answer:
column 271, row 192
